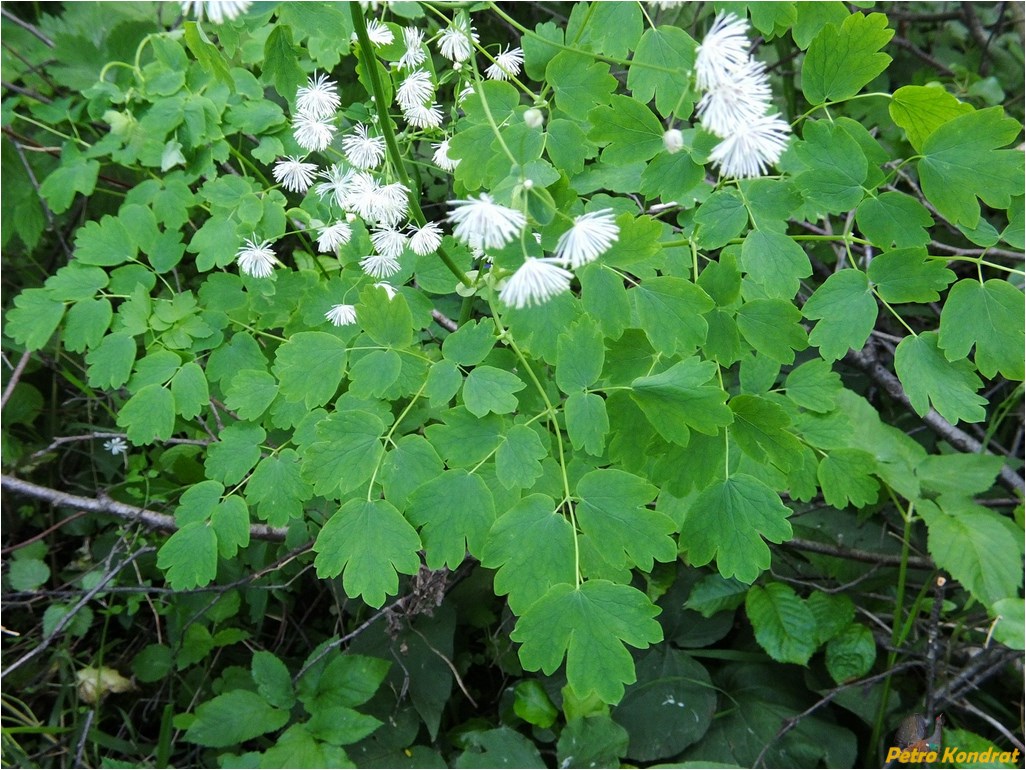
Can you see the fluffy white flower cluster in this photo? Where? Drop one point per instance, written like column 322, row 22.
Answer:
column 736, row 103
column 217, row 11
column 482, row 224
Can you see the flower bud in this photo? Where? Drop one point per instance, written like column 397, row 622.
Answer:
column 534, row 118
column 673, row 141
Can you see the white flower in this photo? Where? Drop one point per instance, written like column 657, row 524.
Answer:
column 116, row 445
column 389, row 289
column 484, row 223
column 388, row 242
column 414, row 55
column 591, row 235
column 362, row 150
column 673, row 141
column 752, row 148
column 378, row 33
column 456, row 43
column 426, row 239
column 380, row 266
column 723, row 50
column 507, row 64
column 466, row 91
column 424, row 116
column 293, row 174
column 536, row 281
column 338, row 182
column 330, row 237
column 441, row 157
column 534, row 118
column 312, row 134
column 256, row 260
column 341, row 315
column 741, row 99
column 387, row 204
column 215, row 10
column 415, row 90
column 318, row 98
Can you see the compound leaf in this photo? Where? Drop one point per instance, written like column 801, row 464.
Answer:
column 454, row 511
column 930, row 379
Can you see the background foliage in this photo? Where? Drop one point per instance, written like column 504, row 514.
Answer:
column 694, row 510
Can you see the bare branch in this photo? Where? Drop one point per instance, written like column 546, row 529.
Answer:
column 15, row 376
column 854, row 554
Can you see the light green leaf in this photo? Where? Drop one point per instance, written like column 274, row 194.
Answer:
column 721, row 217
column 277, row 488
column 605, row 298
column 105, row 243
column 580, row 355
column 894, row 219
column 27, row 574
column 454, row 512
column 230, row 522
column 814, row 385
column 235, row 453
column 76, row 282
column 626, row 130
column 346, row 452
column 909, row 275
column 930, row 379
column 372, row 375
column 281, row 62
column 517, row 459
column 846, row 478
column 1011, row 620
column 783, row 624
column 250, row 392
column 189, row 387
column 773, row 328
column 273, row 680
column 470, row 344
column 846, row 309
column 587, row 422
column 670, row 311
column 214, row 244
column 34, row 318
column 443, row 380
column 74, row 175
column 489, row 389
column 836, row 165
column 921, row 110
column 189, row 557
column 234, row 717
column 988, row 315
column 310, row 367
column 87, row 322
column 579, row 82
column 959, row 474
column 775, row 262
column 149, row 415
column 683, row 397
column 659, row 68
column 760, row 429
column 841, row 60
column 412, row 462
column 387, row 321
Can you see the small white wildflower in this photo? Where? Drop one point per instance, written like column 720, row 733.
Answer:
column 215, row 10
column 341, row 315
column 426, row 239
column 416, row 89
column 378, row 33
column 466, row 91
column 256, row 260
column 293, row 174
column 441, row 157
column 591, row 235
column 741, row 99
column 752, row 148
column 380, row 266
column 413, row 39
column 388, row 241
column 673, row 141
column 507, row 64
column 319, row 97
column 363, row 150
column 456, row 43
column 389, row 289
column 116, row 445
column 312, row 134
column 534, row 118
column 536, row 281
column 484, row 223
column 424, row 116
column 724, row 49
column 330, row 237
column 338, row 178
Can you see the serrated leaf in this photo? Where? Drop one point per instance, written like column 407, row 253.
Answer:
column 105, row 243
column 773, row 328
column 663, row 57
column 517, row 459
column 681, row 398
column 909, row 275
column 783, row 624
column 760, row 429
column 278, row 489
column 920, row 110
column 841, row 60
column 852, row 654
column 454, row 511
column 189, row 387
column 250, row 392
column 930, row 379
column 833, row 613
column 27, row 574
column 234, row 717
column 148, row 415
column 310, row 367
column 76, row 282
column 589, row 625
column 580, row 355
column 273, row 680
column 775, row 262
column 837, row 167
column 579, row 82
column 670, row 311
column 713, row 594
column 189, row 557
column 959, row 474
column 368, row 542
column 34, row 318
column 988, row 315
column 846, row 309
column 281, row 62
column 346, row 452
column 626, row 130
column 894, row 219
column 729, row 521
column 846, row 478
column 814, row 385
column 74, row 175
column 235, row 453
column 586, row 422
column 489, row 389
column 612, row 511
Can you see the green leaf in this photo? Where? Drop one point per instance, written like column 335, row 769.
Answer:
column 74, row 175
column 75, row 282
column 586, row 422
column 721, row 217
column 579, row 82
column 532, row 546
column 105, row 243
column 846, row 309
column 86, row 323
column 841, row 60
column 930, row 379
column 34, row 318
column 894, row 219
column 580, row 355
column 626, row 129
column 833, row 613
column 775, row 262
column 189, row 557
column 814, row 385
column 230, row 522
column 773, row 328
column 488, row 389
column 346, row 452
column 837, row 167
column 454, row 511
column 612, row 511
column 149, row 415
column 615, row 28
column 464, row 440
column 277, row 488
column 501, row 747
column 369, row 542
column 412, row 462
column 387, row 321
column 909, row 275
column 852, row 654
column 959, row 474
column 281, row 62
column 372, row 375
column 27, row 574
column 594, row 740
column 671, row 177
column 605, row 298
column 961, row 162
column 637, row 249
column 683, row 397
column 783, row 624
column 443, row 380
column 214, row 244
column 235, row 453
column 760, row 429
column 1011, row 620
column 272, row 678
column 310, row 367
column 250, row 392
column 846, row 477
column 517, row 459
column 532, row 704
column 729, row 520
column 207, row 54
column 539, row 48
column 565, row 142
column 348, row 680
column 189, row 387
column 659, row 69
column 470, row 344
column 812, row 17
column 921, row 110
column 988, row 315
column 713, row 594
column 234, row 717
column 670, row 311
column 980, row 548
column 589, row 625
